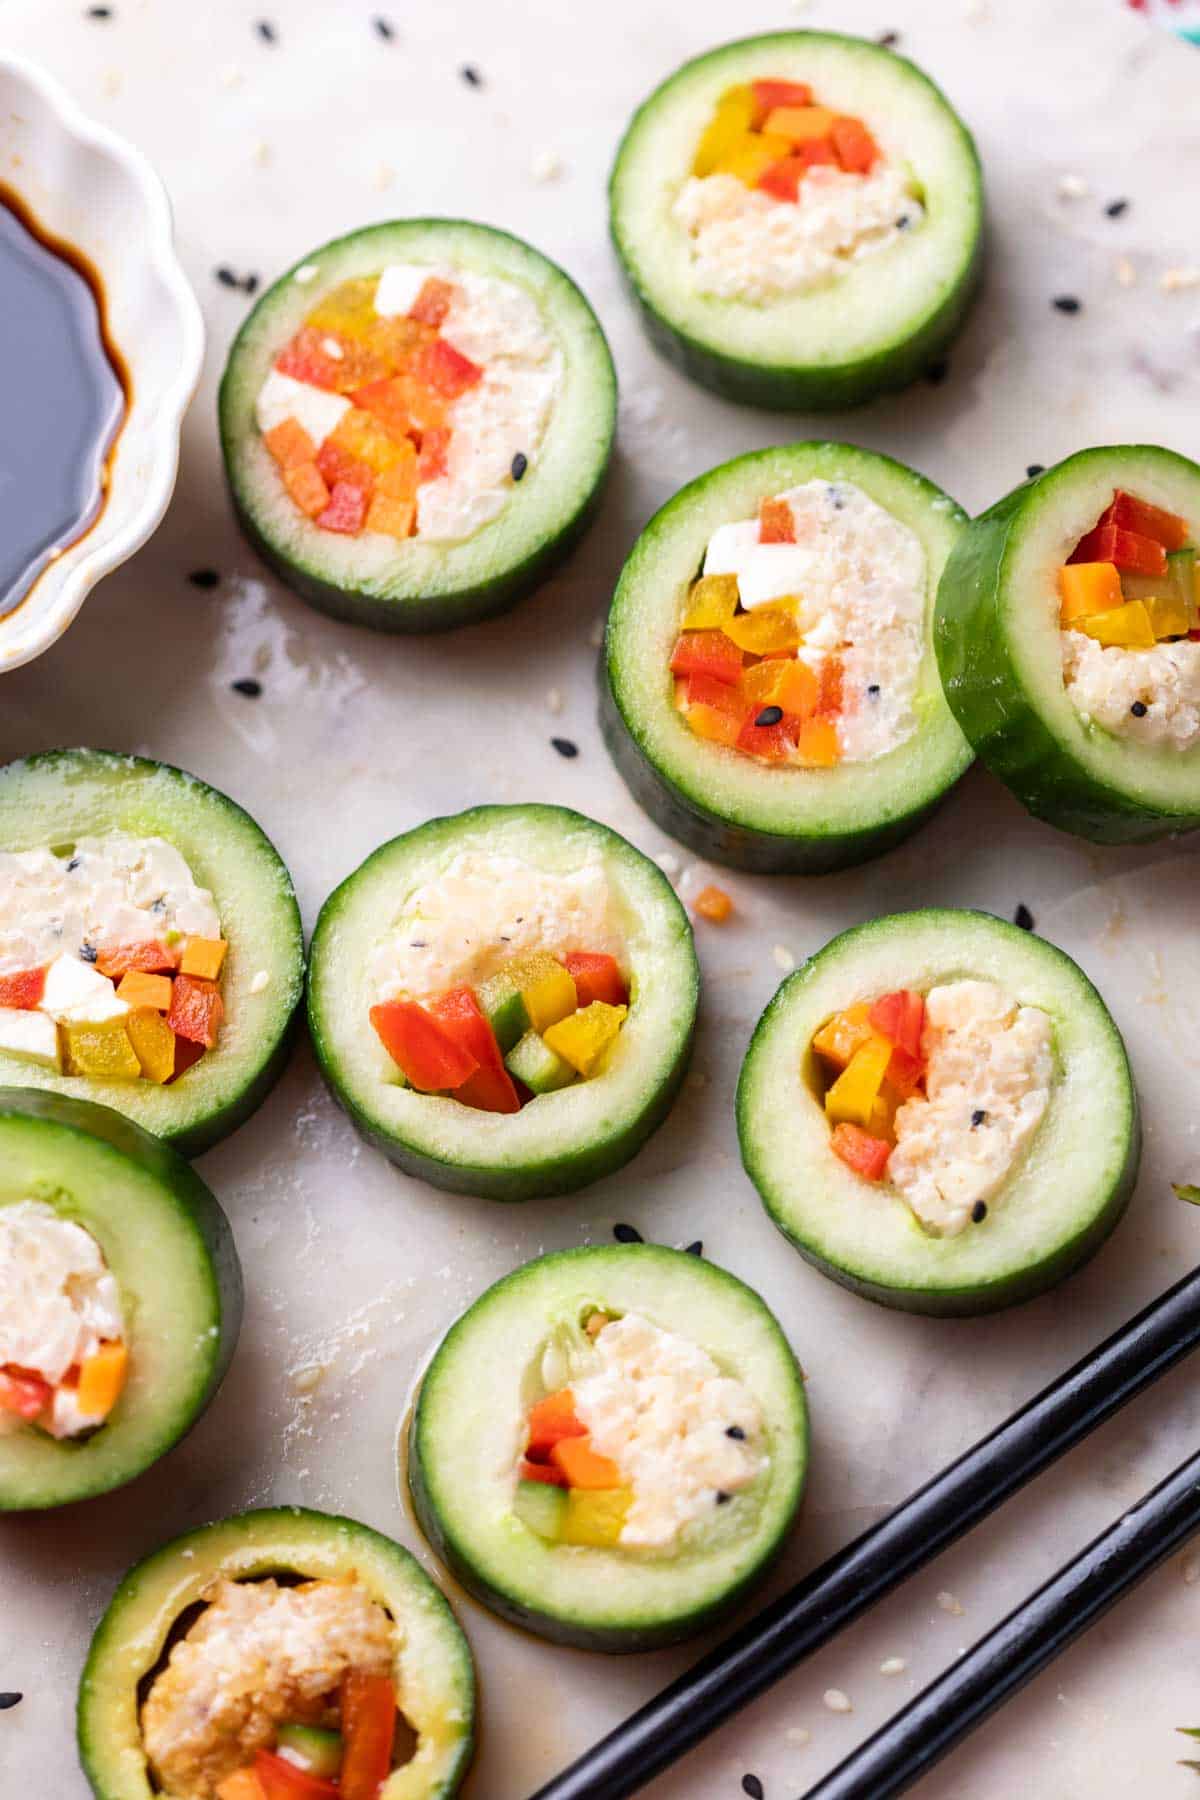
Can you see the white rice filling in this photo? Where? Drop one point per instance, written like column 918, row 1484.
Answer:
column 989, row 1072
column 59, row 1302
column 1105, row 682
column 748, row 245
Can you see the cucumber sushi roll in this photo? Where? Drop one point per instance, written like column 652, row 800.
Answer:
column 150, row 948
column 772, row 694
column 800, row 218
column 416, row 421
column 1068, row 633
column 610, row 1445
column 504, row 1000
column 937, row 1110
column 120, row 1299
column 277, row 1655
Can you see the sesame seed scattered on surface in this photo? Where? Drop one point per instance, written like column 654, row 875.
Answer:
column 262, row 153
column 837, row 1701
column 384, row 175
column 226, row 276
column 753, row 1786
column 1115, row 208
column 796, row 1734
column 266, row 31
column 113, row 82
column 695, row 1248
column 98, row 12
column 1126, row 273
column 978, row 1117
column 669, row 863
column 9, row 1700
column 247, row 686
column 893, row 1665
column 554, row 700
column 950, row 1604
column 383, row 28
column 547, row 165
column 1174, row 281
column 888, row 39
column 628, row 1234
column 783, row 958
column 204, row 578
column 1033, row 469
column 1023, row 917
column 471, row 75
column 1067, row 303
column 232, row 76
column 1072, row 187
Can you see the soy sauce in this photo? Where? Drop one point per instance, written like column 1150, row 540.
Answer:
column 64, row 394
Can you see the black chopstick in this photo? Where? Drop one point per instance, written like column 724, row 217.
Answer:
column 833, row 1595
column 906, row 1748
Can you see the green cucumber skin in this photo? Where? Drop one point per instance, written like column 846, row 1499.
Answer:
column 535, row 1181
column 444, row 612
column 192, row 1142
column 987, row 698
column 192, row 1196
column 739, row 846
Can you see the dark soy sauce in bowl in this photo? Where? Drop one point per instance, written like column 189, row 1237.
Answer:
column 66, row 395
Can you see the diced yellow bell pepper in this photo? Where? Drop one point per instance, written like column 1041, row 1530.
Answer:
column 153, row 1044
column 585, row 1038
column 549, row 998
column 595, row 1516
column 845, row 1033
column 203, row 956
column 712, row 600
column 101, row 1378
column 852, row 1097
column 766, row 629
column 1128, row 626
column 734, row 117
column 760, row 683
column 750, row 156
column 348, row 308
column 1088, row 588
column 799, row 124
column 1168, row 615
column 360, row 434
column 101, row 1051
column 136, row 988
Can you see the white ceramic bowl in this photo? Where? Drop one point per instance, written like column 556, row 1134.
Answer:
column 86, row 185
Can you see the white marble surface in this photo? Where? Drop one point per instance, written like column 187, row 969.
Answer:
column 268, row 149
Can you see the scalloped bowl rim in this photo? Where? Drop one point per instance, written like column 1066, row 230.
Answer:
column 104, row 546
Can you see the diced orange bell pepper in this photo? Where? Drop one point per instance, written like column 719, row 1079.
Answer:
column 905, row 1073
column 860, row 1151
column 797, row 690
column 197, row 1010
column 434, row 459
column 289, row 444
column 203, row 956
column 388, row 401
column 713, row 904
column 446, row 370
column 1129, row 550
column 583, row 1466
column 24, row 1393
column 776, row 522
column 1086, row 588
column 243, row 1784
column 155, row 959
column 855, row 148
column 23, row 990
column 368, row 1720
column 433, row 302
column 817, row 743
column 843, row 1034
column 420, row 1045
column 394, row 518
column 1138, row 516
column 304, row 358
column 716, row 724
column 597, row 976
column 139, row 989
column 800, row 124
column 900, row 1017
column 550, row 1421
column 101, row 1379
column 545, row 1472
column 347, row 509
column 770, row 94
column 489, row 1087
column 760, row 684
column 831, row 697
column 783, row 178
column 364, row 437
column 707, row 653
column 306, row 486
column 282, row 1780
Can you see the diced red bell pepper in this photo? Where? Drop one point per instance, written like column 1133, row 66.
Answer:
column 551, row 1420
column 597, row 976
column 152, row 958
column 368, row 1729
column 900, row 1018
column 490, row 1087
column 782, row 179
column 434, row 457
column 866, row 1155
column 187, row 1055
column 433, row 302
column 776, row 741
column 830, row 696
column 1138, row 516
column 418, row 1044
column 23, row 990
column 24, row 1393
column 854, row 147
column 387, row 401
column 197, row 1010
column 305, row 359
column 905, row 1072
column 707, row 653
column 337, row 465
column 347, row 509
column 546, row 1472
column 1128, row 549
column 446, row 370
column 770, row 94
column 282, row 1780
column 702, row 690
column 776, row 523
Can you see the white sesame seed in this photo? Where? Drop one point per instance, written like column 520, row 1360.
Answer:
column 232, row 76
column 547, row 165
column 262, row 153
column 796, row 1734
column 1072, row 187
column 783, row 958
column 1191, row 1570
column 837, row 1701
column 384, row 175
column 306, row 1380
column 259, row 982
column 950, row 1604
column 669, row 863
column 332, row 348
column 554, row 700
column 893, row 1665
column 305, row 273
column 1126, row 273
column 1173, row 281
column 113, row 82
column 596, row 634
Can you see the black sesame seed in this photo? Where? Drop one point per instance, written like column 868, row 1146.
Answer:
column 695, row 1248
column 979, row 1211
column 8, row 1701
column 889, row 40
column 770, row 715
column 978, row 1117
column 520, row 463
column 903, row 222
column 874, row 690
column 1033, row 469
column 735, row 1431
column 1115, row 208
column 1023, row 917
column 565, row 747
column 88, row 952
column 265, row 30
column 249, row 284
column 1067, row 303
column 750, row 1783
column 1139, row 709
column 247, row 686
column 937, row 371
column 384, row 28
column 226, row 276
column 723, row 1498
column 628, row 1234
column 204, row 578
column 98, row 12
column 471, row 75
column 72, row 865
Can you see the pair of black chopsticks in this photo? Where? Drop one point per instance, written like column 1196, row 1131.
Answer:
column 853, row 1580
